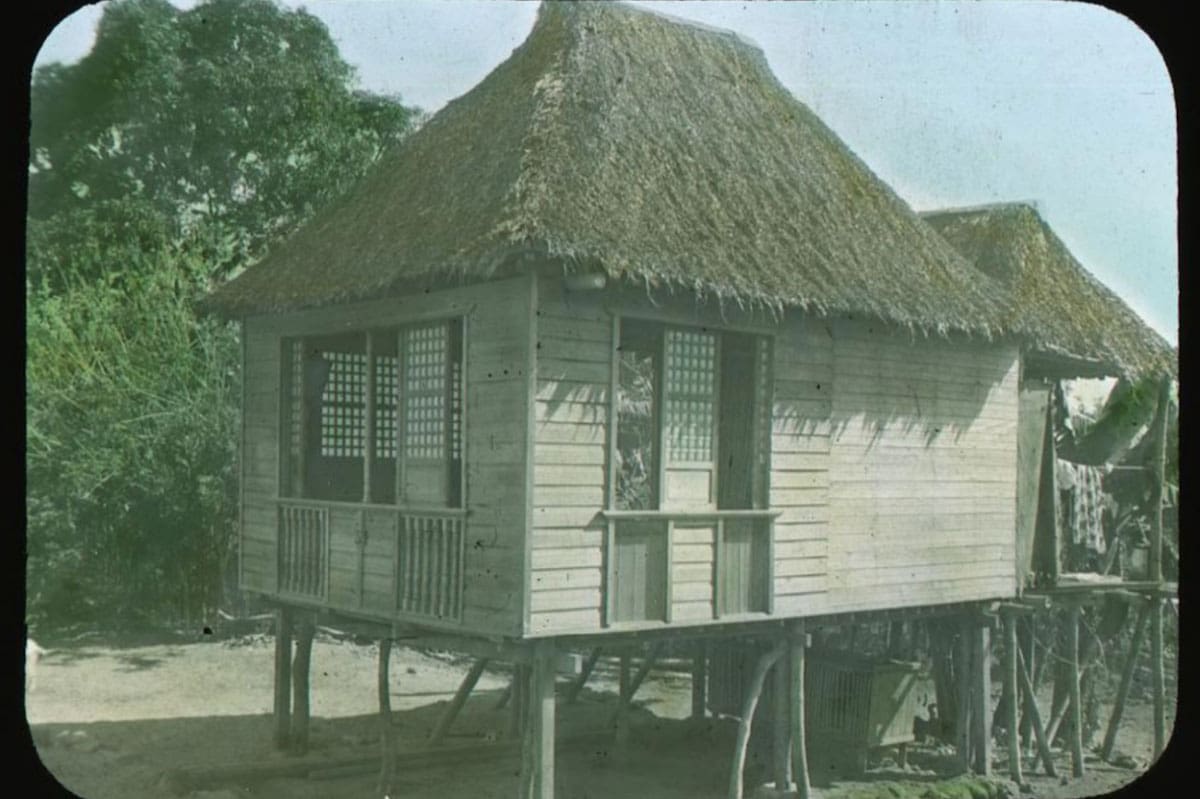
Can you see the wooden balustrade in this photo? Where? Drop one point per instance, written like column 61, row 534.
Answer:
column 303, row 550
column 429, row 564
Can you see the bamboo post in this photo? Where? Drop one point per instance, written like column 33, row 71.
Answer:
column 753, row 692
column 456, row 704
column 588, row 666
column 283, row 676
column 981, row 697
column 542, row 719
column 1035, row 718
column 1010, row 688
column 386, row 741
column 798, row 646
column 781, row 725
column 300, row 686
column 700, row 680
column 1157, row 676
column 1076, row 697
column 1114, row 721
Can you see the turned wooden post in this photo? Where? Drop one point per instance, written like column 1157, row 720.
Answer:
column 301, row 667
column 753, row 692
column 283, row 677
column 386, row 739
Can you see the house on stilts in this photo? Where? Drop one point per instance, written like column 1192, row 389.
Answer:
column 625, row 346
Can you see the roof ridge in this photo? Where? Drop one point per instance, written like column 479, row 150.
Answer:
column 1001, row 205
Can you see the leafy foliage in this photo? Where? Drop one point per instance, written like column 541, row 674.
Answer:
column 175, row 151
column 235, row 112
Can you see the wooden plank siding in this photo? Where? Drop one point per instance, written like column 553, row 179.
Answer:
column 922, row 481
column 497, row 364
column 799, row 483
column 571, row 405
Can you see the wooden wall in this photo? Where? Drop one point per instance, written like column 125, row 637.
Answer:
column 922, row 479
column 800, row 457
column 498, row 358
column 574, row 340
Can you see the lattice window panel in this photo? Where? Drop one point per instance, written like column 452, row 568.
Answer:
column 343, row 405
column 689, row 401
column 387, row 389
column 426, row 362
column 456, row 410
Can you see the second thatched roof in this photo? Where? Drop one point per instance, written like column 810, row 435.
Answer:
column 659, row 152
column 1058, row 306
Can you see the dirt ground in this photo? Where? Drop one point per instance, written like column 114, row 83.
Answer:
column 110, row 720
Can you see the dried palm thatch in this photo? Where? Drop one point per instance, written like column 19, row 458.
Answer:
column 1060, row 308
column 662, row 153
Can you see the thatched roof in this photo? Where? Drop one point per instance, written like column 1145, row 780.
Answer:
column 1060, row 308
column 660, row 152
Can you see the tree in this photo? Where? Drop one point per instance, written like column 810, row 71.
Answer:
column 235, row 113
column 170, row 155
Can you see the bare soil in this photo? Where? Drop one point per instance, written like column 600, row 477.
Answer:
column 111, row 720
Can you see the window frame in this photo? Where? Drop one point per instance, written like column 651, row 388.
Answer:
column 296, row 409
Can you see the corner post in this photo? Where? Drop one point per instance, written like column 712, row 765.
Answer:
column 283, row 676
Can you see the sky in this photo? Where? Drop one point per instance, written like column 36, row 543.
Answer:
column 1067, row 105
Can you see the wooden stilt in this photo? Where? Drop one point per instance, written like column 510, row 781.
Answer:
column 387, row 747
column 798, row 646
column 962, row 672
column 1114, row 721
column 700, row 681
column 753, row 692
column 621, row 716
column 625, row 673
column 1035, row 718
column 506, row 694
column 542, row 720
column 283, row 677
column 1157, row 676
column 1076, row 697
column 300, row 686
column 456, row 704
column 643, row 671
column 1026, row 632
column 781, row 724
column 518, row 708
column 1010, row 687
column 588, row 666
column 981, row 700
